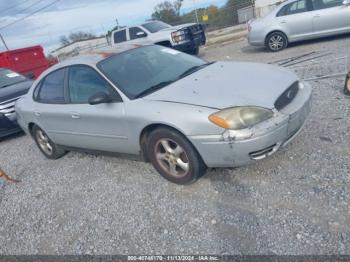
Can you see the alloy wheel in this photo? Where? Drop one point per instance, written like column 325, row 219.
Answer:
column 276, row 42
column 44, row 142
column 172, row 158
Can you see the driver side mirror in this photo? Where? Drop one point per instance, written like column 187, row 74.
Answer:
column 346, row 2
column 100, row 98
column 141, row 34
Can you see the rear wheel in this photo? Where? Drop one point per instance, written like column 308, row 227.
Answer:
column 276, row 41
column 347, row 85
column 46, row 146
column 174, row 157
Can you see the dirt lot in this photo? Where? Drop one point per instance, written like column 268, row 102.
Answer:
column 296, row 202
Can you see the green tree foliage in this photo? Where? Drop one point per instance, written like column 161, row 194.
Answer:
column 167, row 11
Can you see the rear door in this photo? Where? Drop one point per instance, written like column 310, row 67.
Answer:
column 119, row 37
column 330, row 17
column 97, row 127
column 49, row 109
column 295, row 20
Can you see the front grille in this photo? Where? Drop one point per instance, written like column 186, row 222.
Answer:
column 287, row 97
column 7, row 108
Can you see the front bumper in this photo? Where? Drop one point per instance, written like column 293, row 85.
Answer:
column 8, row 125
column 189, row 45
column 227, row 150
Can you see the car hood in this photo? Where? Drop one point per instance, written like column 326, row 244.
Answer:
column 15, row 90
column 178, row 27
column 229, row 84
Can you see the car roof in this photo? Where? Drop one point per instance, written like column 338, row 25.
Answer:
column 92, row 57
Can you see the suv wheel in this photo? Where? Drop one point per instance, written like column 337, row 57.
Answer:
column 276, row 41
column 46, row 146
column 174, row 157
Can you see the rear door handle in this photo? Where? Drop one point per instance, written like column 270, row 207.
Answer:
column 284, row 22
column 37, row 113
column 317, row 16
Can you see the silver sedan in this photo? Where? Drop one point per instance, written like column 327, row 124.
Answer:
column 296, row 20
column 175, row 110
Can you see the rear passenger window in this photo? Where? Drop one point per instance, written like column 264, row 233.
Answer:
column 120, row 36
column 52, row 88
column 294, row 8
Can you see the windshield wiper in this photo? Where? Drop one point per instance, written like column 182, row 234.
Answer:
column 154, row 88
column 194, row 69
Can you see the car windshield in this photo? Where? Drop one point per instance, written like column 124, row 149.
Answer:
column 155, row 26
column 8, row 78
column 144, row 70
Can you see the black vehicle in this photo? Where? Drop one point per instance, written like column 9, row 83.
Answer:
column 12, row 87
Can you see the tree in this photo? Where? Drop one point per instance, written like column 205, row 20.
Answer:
column 213, row 10
column 167, row 11
column 64, row 40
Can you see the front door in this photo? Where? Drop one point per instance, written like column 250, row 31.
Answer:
column 330, row 17
column 97, row 127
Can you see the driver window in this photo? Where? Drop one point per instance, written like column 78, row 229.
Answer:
column 133, row 32
column 85, row 82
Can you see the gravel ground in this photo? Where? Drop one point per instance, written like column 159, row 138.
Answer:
column 296, row 202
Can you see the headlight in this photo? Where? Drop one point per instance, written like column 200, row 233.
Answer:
column 179, row 36
column 238, row 118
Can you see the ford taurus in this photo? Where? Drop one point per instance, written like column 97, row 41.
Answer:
column 177, row 111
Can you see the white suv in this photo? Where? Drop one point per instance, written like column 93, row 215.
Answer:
column 187, row 37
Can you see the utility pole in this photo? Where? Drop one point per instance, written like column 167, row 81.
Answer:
column 195, row 10
column 3, row 40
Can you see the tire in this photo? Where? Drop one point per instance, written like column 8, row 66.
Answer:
column 45, row 144
column 195, row 51
column 276, row 41
column 173, row 156
column 347, row 85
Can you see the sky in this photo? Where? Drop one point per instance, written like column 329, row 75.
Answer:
column 66, row 16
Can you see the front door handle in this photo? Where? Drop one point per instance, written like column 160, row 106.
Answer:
column 75, row 116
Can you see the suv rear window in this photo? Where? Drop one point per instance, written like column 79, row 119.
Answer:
column 120, row 36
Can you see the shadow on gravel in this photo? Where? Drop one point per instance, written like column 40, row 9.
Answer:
column 13, row 136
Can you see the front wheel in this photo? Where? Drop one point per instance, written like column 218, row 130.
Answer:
column 195, row 51
column 46, row 146
column 276, row 41
column 173, row 156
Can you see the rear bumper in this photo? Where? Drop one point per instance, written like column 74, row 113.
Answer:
column 228, row 150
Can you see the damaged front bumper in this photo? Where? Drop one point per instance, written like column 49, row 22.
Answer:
column 238, row 148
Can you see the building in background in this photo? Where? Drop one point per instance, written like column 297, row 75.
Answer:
column 263, row 7
column 79, row 47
